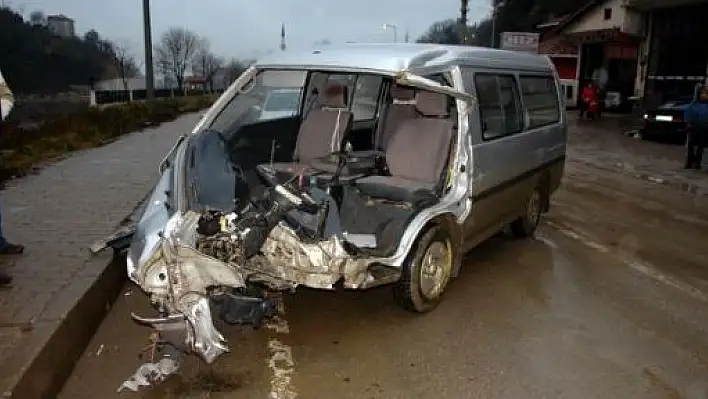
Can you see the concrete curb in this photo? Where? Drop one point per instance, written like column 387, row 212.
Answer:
column 47, row 354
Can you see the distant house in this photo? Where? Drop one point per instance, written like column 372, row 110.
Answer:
column 194, row 83
column 61, row 25
column 602, row 34
column 220, row 81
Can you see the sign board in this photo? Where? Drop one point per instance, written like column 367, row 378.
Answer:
column 520, row 41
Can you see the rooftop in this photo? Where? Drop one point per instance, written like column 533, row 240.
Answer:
column 391, row 58
column 59, row 17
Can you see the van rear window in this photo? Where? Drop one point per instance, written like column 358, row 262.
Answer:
column 540, row 100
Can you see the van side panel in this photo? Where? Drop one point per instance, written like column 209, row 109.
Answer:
column 506, row 169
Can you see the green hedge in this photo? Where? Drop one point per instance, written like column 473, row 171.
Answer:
column 22, row 150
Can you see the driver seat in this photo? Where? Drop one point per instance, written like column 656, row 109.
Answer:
column 322, row 131
column 416, row 154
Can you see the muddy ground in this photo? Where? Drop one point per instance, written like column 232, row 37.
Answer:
column 609, row 301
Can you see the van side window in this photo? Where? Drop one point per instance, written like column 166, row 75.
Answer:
column 540, row 99
column 499, row 105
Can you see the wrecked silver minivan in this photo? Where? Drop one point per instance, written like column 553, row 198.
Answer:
column 365, row 178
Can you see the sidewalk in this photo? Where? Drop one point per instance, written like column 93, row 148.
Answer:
column 605, row 144
column 57, row 214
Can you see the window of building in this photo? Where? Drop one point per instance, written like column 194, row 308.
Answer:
column 499, row 105
column 608, row 14
column 540, row 100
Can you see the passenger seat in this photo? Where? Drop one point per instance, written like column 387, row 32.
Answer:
column 401, row 109
column 416, row 154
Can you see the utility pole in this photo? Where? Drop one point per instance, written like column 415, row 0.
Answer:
column 149, row 73
column 464, row 7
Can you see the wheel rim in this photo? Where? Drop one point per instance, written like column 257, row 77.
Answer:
column 533, row 208
column 435, row 269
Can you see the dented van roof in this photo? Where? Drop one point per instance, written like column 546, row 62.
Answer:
column 392, row 58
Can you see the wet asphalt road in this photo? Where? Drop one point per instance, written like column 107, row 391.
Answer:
column 609, row 301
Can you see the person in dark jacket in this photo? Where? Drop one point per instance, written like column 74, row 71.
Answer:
column 6, row 248
column 696, row 117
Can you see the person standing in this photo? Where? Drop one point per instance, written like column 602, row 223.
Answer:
column 7, row 100
column 600, row 78
column 588, row 97
column 696, row 117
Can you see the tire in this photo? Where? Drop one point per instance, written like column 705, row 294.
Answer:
column 417, row 290
column 526, row 225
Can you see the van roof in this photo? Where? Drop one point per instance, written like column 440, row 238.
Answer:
column 392, row 58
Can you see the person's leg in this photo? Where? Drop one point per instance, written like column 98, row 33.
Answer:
column 3, row 241
column 700, row 146
column 6, row 248
column 690, row 149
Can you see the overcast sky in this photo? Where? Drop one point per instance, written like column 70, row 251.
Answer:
column 248, row 31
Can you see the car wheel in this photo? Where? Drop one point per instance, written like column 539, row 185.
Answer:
column 426, row 272
column 526, row 225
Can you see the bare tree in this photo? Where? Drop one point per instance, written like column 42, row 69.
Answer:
column 234, row 69
column 206, row 64
column 126, row 64
column 175, row 52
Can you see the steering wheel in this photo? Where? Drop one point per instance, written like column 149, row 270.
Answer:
column 298, row 198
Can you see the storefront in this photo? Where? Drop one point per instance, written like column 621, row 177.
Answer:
column 675, row 57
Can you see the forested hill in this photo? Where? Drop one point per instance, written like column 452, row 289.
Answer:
column 524, row 15
column 33, row 60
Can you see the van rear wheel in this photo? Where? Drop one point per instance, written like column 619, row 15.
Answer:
column 526, row 224
column 426, row 272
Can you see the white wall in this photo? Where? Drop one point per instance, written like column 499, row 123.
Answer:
column 117, row 84
column 626, row 20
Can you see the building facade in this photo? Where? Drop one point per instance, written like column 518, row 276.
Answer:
column 652, row 50
column 61, row 25
column 602, row 39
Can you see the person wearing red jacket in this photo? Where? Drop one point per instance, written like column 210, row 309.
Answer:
column 588, row 101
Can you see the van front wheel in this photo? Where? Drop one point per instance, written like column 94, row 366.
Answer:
column 426, row 272
column 527, row 223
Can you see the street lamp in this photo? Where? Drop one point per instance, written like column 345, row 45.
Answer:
column 395, row 31
column 149, row 74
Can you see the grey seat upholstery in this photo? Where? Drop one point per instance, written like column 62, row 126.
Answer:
column 322, row 131
column 399, row 111
column 416, row 153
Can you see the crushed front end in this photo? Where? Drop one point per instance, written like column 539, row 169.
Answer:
column 210, row 264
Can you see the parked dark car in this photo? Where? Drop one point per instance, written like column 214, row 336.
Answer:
column 666, row 120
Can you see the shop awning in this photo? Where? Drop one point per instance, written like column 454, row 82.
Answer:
column 602, row 36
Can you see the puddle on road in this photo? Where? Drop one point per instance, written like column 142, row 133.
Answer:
column 205, row 383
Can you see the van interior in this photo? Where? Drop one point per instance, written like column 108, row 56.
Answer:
column 378, row 152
